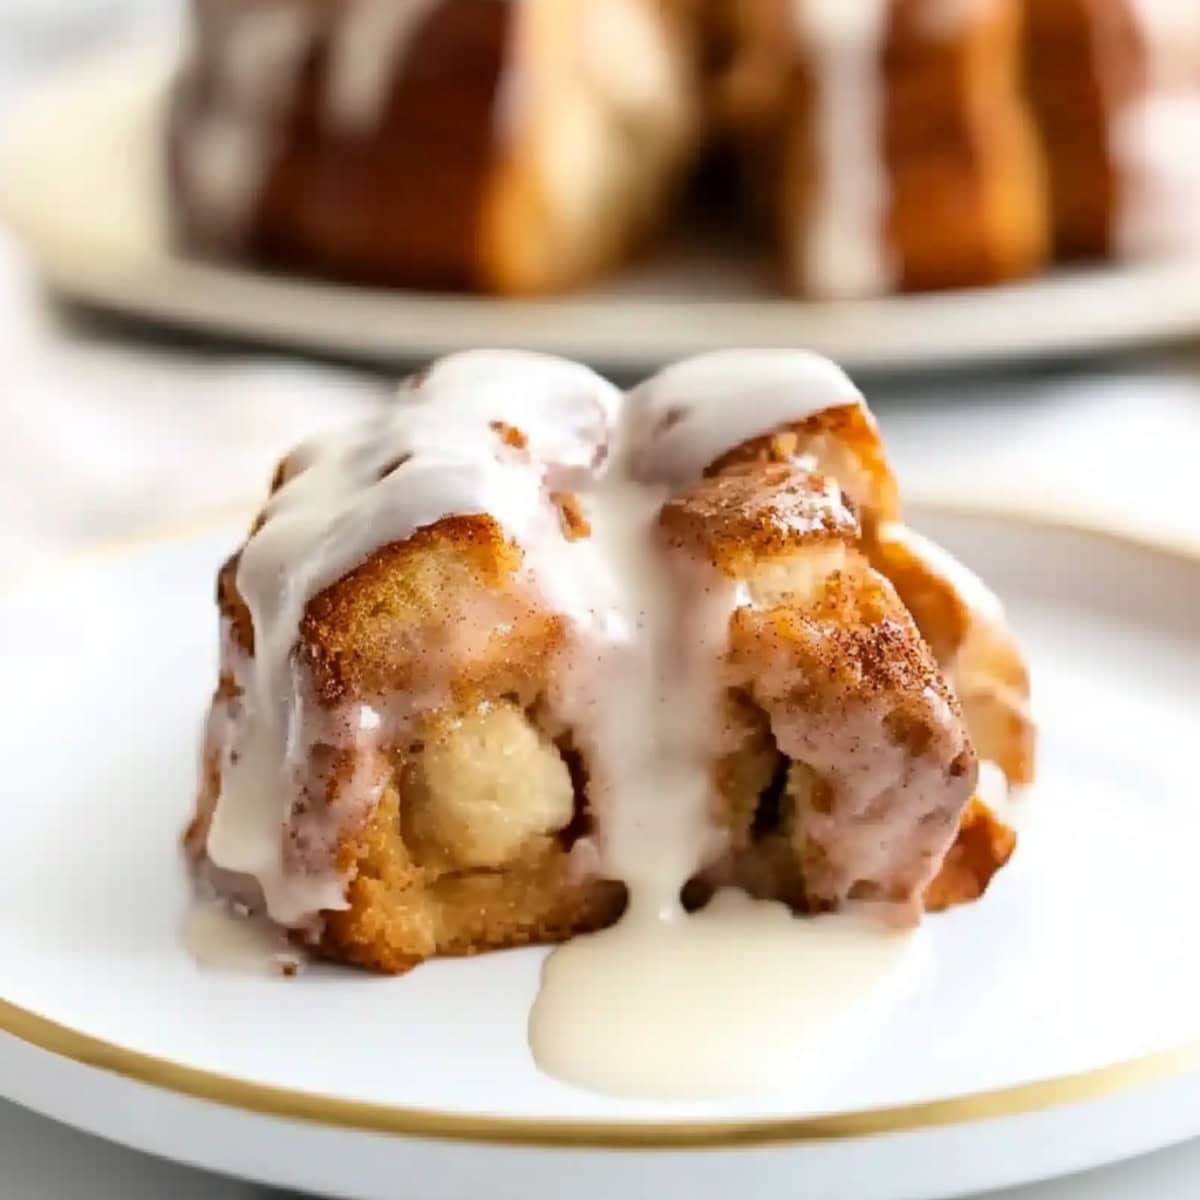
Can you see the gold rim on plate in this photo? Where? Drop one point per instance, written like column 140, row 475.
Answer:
column 370, row 1117
column 267, row 1100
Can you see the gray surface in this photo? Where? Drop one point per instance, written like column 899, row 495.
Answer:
column 43, row 1160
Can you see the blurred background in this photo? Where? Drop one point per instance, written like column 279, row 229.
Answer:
column 113, row 427
column 109, row 427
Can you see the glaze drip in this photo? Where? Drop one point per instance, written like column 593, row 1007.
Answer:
column 843, row 251
column 1159, row 181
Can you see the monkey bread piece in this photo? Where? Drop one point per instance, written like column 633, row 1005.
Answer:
column 878, row 763
column 509, row 146
column 467, row 846
column 680, row 434
column 889, row 140
column 492, row 658
column 682, row 431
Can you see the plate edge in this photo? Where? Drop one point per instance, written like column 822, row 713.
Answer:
column 369, row 1117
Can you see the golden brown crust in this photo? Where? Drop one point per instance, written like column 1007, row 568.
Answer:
column 1085, row 61
column 967, row 198
column 976, row 649
column 399, row 202
column 401, row 912
column 843, row 442
column 391, row 624
column 969, row 201
column 754, row 512
column 984, row 844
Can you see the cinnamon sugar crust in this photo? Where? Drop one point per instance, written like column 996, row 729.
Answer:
column 841, row 442
column 753, row 512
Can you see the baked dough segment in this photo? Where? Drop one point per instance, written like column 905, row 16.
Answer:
column 947, row 178
column 983, row 845
column 843, row 444
column 1085, row 64
column 878, row 765
column 603, row 119
column 468, row 847
column 958, row 616
column 513, row 147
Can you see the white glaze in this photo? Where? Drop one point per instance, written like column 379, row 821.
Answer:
column 737, row 998
column 1170, row 30
column 1153, row 140
column 842, row 251
column 691, row 413
column 1152, row 137
column 947, row 18
column 369, row 49
column 998, row 794
column 228, row 938
column 645, row 718
column 257, row 53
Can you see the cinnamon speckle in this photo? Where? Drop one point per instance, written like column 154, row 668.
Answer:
column 575, row 525
column 510, row 435
column 393, row 465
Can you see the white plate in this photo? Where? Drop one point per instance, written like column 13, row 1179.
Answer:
column 80, row 183
column 1058, row 1026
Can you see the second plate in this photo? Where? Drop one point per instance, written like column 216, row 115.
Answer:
column 81, row 185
